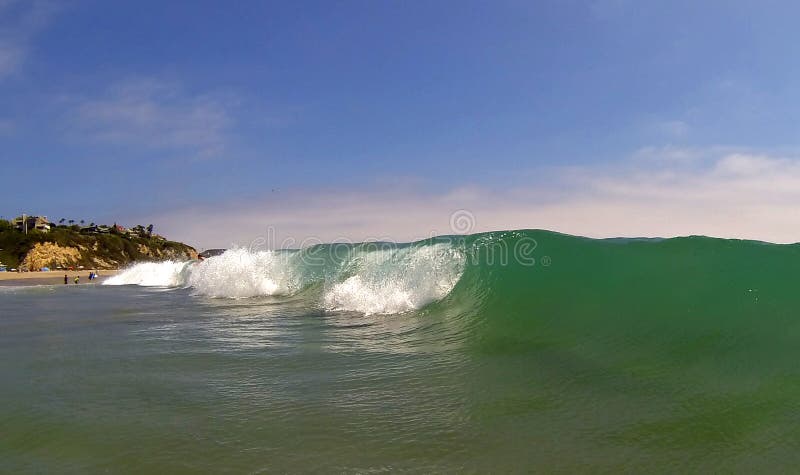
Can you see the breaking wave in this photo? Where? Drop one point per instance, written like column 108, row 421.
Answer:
column 152, row 274
column 368, row 278
column 514, row 273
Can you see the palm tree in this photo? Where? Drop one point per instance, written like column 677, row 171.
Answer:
column 61, row 221
column 71, row 222
column 150, row 230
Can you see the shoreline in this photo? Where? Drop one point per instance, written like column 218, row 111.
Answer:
column 52, row 277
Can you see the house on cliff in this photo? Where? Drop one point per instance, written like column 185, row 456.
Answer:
column 27, row 223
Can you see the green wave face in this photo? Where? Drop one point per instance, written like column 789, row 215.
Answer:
column 685, row 345
column 693, row 292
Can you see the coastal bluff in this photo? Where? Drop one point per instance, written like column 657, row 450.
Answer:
column 66, row 247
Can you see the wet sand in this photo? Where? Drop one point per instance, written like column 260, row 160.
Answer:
column 53, row 277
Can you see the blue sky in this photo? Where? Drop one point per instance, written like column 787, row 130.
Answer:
column 199, row 115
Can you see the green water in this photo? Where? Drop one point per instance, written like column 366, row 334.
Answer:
column 550, row 354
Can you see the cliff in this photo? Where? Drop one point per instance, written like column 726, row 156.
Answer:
column 65, row 247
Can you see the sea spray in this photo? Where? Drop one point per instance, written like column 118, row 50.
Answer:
column 240, row 273
column 397, row 280
column 152, row 274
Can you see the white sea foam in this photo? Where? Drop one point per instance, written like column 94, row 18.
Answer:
column 397, row 280
column 369, row 281
column 152, row 274
column 239, row 273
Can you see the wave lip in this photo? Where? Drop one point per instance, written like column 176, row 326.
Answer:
column 239, row 273
column 397, row 280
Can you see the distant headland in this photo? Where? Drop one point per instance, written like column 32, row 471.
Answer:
column 32, row 243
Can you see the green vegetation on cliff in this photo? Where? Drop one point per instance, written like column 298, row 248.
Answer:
column 67, row 246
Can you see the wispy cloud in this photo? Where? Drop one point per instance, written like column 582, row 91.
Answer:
column 10, row 57
column 155, row 114
column 721, row 193
column 672, row 129
column 6, row 127
column 19, row 24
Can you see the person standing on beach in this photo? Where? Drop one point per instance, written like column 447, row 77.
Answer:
column 77, row 279
column 65, row 279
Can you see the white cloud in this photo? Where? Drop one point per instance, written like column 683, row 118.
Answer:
column 673, row 154
column 735, row 195
column 155, row 114
column 19, row 23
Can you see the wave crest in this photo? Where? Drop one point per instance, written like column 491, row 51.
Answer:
column 239, row 273
column 362, row 279
column 397, row 280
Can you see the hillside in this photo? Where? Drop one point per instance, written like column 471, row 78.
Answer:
column 66, row 247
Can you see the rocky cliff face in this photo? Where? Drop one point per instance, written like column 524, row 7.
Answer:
column 169, row 253
column 107, row 252
column 47, row 254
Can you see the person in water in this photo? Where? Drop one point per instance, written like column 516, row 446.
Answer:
column 65, row 279
column 77, row 279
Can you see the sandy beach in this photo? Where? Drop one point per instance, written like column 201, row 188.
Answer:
column 52, row 277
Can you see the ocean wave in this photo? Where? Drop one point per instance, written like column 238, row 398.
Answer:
column 398, row 280
column 366, row 279
column 514, row 272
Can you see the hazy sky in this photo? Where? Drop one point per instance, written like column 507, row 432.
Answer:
column 220, row 122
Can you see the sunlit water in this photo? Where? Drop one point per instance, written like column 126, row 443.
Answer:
column 137, row 379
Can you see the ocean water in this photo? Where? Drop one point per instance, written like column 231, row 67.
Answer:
column 505, row 352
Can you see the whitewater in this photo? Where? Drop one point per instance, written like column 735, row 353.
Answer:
column 371, row 278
